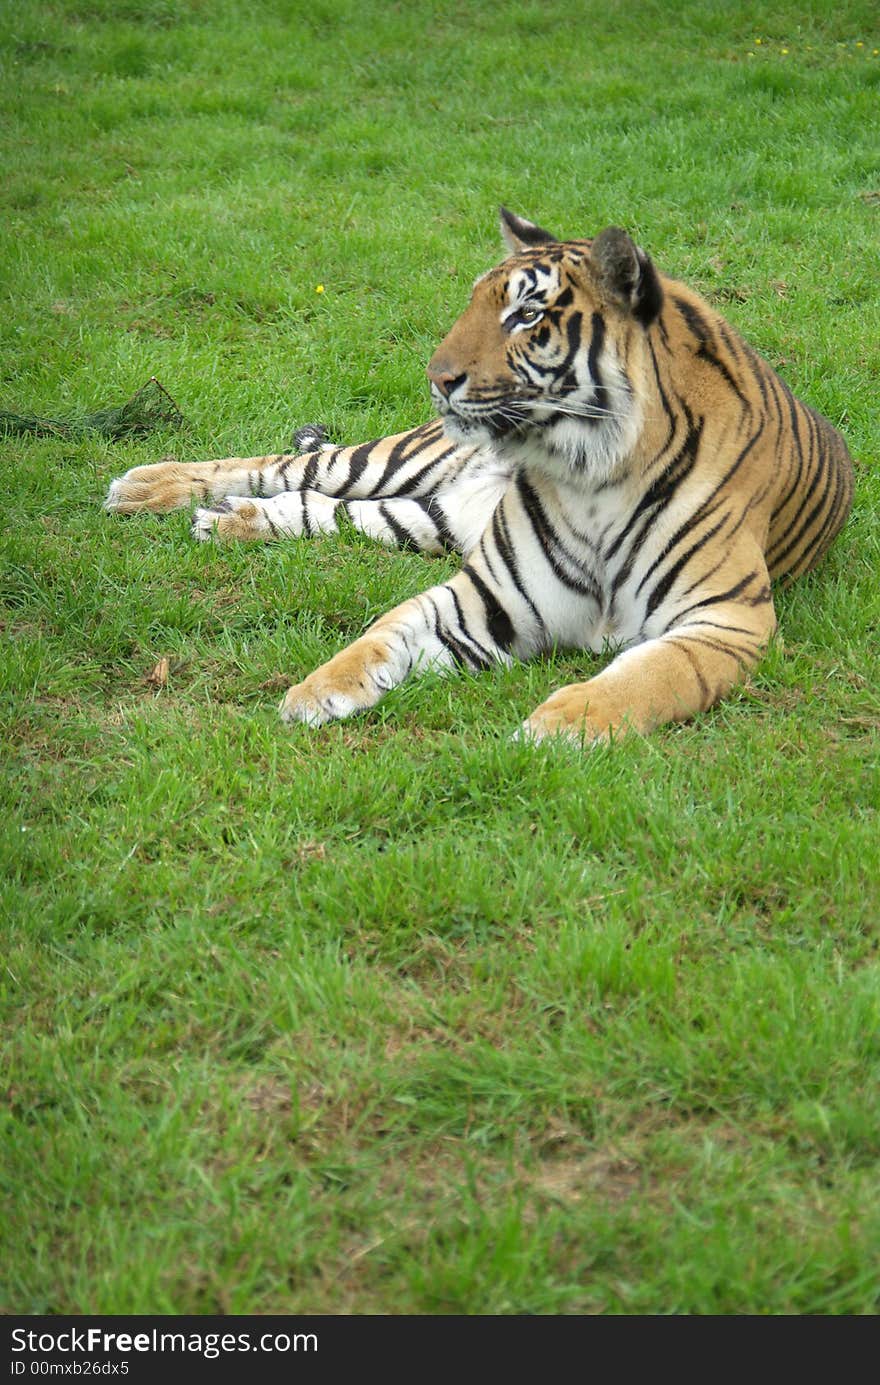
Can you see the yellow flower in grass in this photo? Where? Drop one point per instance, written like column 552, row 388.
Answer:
column 319, row 288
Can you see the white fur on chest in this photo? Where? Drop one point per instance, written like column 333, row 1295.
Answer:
column 474, row 492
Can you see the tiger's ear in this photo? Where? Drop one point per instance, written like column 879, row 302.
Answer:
column 519, row 234
column 627, row 274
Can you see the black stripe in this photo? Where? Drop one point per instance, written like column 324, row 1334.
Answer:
column 667, row 407
column 760, row 370
column 695, row 320
column 597, row 342
column 705, row 509
column 357, row 464
column 734, row 593
column 816, row 468
column 402, row 535
column 483, row 656
column 434, row 512
column 778, row 561
column 462, row 656
column 701, row 580
column 310, row 472
column 661, row 590
column 412, row 482
column 793, row 409
column 713, row 625
column 729, row 337
column 284, row 466
column 663, row 488
column 682, row 647
column 562, row 370
column 505, row 552
column 650, row 293
column 402, row 452
column 702, row 330
column 832, row 522
column 498, row 622
column 740, row 654
column 704, row 354
column 775, row 384
column 550, row 544
column 483, row 548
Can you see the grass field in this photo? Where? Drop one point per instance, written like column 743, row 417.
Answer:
column 400, row 1016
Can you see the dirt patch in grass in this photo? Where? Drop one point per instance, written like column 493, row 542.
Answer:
column 605, row 1173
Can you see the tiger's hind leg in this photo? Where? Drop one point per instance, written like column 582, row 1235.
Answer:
column 411, row 463
column 423, row 525
column 169, row 485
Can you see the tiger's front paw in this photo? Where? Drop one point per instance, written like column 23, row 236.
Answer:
column 574, row 713
column 159, row 487
column 351, row 682
column 315, row 705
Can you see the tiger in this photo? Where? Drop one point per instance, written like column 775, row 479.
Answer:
column 619, row 470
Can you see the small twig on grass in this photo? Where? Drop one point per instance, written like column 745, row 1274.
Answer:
column 148, row 408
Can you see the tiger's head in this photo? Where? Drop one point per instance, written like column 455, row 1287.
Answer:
column 543, row 362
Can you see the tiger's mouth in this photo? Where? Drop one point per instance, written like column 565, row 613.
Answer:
column 483, row 421
column 487, row 428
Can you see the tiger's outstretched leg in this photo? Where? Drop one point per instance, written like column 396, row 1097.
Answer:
column 669, row 678
column 406, row 463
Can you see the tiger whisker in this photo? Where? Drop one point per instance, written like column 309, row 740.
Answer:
column 521, row 407
column 588, row 410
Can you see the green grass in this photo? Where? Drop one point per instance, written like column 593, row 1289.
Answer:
column 402, row 1016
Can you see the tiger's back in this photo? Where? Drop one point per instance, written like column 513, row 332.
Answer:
column 816, row 498
column 801, row 464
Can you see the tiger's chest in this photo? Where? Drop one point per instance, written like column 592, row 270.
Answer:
column 603, row 562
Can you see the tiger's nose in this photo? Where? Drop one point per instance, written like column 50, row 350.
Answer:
column 445, row 380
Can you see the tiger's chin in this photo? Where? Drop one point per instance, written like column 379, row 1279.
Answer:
column 466, row 430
